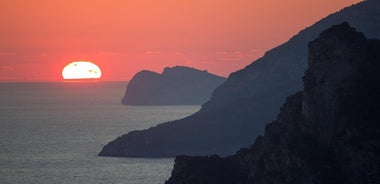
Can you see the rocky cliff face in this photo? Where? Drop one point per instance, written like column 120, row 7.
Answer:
column 239, row 108
column 328, row 133
column 175, row 86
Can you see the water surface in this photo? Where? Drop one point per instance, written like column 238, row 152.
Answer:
column 52, row 133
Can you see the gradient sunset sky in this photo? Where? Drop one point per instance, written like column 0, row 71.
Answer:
column 38, row 38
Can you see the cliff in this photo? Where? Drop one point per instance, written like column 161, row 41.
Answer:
column 328, row 133
column 175, row 86
column 239, row 108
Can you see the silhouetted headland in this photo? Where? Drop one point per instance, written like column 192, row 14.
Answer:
column 178, row 85
column 251, row 97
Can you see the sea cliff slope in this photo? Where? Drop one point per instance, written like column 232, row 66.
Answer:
column 240, row 107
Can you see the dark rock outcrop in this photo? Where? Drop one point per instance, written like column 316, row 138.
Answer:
column 328, row 133
column 239, row 108
column 178, row 85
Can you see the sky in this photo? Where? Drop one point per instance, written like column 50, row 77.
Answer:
column 38, row 38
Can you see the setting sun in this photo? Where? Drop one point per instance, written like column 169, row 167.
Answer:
column 81, row 70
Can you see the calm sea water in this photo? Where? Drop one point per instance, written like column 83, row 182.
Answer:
column 52, row 133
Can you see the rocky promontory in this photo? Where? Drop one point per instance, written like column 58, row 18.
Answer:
column 327, row 133
column 251, row 97
column 178, row 85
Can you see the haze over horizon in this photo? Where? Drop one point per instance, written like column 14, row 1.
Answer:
column 123, row 37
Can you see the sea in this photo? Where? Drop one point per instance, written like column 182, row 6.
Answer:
column 52, row 133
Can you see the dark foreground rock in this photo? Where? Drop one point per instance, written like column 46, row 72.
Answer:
column 178, row 85
column 328, row 133
column 239, row 108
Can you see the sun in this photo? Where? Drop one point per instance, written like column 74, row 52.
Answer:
column 81, row 70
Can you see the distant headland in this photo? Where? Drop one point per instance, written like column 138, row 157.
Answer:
column 178, row 85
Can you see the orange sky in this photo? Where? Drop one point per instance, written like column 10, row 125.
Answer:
column 37, row 38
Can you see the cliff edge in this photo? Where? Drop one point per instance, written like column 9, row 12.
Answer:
column 327, row 133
